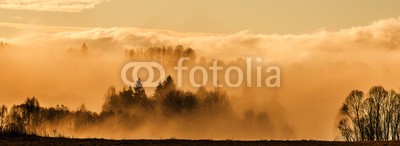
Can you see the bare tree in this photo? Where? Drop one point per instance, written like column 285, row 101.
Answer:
column 3, row 114
column 352, row 109
column 373, row 118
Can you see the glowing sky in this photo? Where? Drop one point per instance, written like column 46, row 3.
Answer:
column 222, row 16
column 325, row 48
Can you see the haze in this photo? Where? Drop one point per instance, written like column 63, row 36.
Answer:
column 325, row 49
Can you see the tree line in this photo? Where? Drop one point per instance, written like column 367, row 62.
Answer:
column 371, row 116
column 131, row 107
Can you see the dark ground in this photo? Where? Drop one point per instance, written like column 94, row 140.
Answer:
column 35, row 140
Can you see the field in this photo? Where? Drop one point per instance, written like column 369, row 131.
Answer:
column 35, row 140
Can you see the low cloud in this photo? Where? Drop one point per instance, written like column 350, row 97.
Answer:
column 381, row 35
column 51, row 5
column 318, row 69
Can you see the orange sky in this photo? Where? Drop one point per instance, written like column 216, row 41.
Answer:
column 222, row 16
column 325, row 48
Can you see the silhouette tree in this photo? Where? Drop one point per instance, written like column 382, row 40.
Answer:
column 164, row 88
column 169, row 84
column 84, row 50
column 202, row 93
column 352, row 108
column 24, row 118
column 83, row 118
column 139, row 90
column 216, row 103
column 55, row 115
column 373, row 118
column 158, row 93
column 141, row 98
column 179, row 103
column 130, row 107
column 3, row 113
column 30, row 113
column 15, row 122
column 112, row 103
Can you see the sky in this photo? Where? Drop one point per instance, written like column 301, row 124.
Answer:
column 207, row 16
column 325, row 48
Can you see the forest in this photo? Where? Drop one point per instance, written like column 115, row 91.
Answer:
column 127, row 108
column 133, row 113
